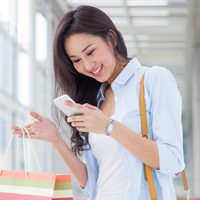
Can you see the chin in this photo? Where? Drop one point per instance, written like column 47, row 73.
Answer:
column 101, row 80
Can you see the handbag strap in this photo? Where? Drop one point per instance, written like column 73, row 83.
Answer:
column 24, row 153
column 185, row 184
column 23, row 130
column 147, row 169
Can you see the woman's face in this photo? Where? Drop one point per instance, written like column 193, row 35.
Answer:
column 92, row 56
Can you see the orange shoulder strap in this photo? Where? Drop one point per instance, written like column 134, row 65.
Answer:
column 148, row 170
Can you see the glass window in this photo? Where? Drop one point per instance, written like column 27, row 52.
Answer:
column 2, row 130
column 1, row 60
column 7, row 60
column 4, row 14
column 41, row 37
column 5, row 134
column 23, row 79
column 23, row 23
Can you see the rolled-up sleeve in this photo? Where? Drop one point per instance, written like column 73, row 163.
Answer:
column 92, row 170
column 166, row 111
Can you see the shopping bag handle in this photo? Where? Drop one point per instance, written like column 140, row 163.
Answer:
column 5, row 154
column 33, row 149
column 24, row 130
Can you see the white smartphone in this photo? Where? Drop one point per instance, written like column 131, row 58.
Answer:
column 67, row 110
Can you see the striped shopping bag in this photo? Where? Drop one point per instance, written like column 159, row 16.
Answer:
column 16, row 185
column 63, row 188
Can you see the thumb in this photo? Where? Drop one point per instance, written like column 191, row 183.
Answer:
column 37, row 116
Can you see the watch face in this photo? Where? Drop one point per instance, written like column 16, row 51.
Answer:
column 110, row 127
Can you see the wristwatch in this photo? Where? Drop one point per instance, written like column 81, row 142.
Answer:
column 110, row 127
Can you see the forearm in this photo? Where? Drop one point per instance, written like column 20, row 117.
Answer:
column 144, row 149
column 76, row 166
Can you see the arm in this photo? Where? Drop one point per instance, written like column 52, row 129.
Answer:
column 76, row 166
column 165, row 152
column 46, row 130
column 146, row 150
column 166, row 115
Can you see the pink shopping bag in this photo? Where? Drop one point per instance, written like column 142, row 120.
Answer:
column 24, row 185
column 16, row 185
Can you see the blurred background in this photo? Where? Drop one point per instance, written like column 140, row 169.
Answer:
column 158, row 32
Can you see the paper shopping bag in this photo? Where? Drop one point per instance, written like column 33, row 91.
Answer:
column 15, row 185
column 63, row 188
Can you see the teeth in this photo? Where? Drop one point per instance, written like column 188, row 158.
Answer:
column 95, row 72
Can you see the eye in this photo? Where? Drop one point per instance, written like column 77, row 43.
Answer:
column 75, row 61
column 89, row 53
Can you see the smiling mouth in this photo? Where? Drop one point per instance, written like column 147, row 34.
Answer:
column 97, row 71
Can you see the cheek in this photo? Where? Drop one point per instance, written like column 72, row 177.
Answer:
column 104, row 55
column 78, row 68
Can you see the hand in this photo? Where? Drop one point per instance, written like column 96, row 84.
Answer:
column 92, row 119
column 42, row 129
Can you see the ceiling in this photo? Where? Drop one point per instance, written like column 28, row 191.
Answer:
column 154, row 30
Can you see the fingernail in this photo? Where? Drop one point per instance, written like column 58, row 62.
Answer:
column 68, row 119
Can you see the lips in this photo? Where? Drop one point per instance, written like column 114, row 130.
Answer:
column 98, row 70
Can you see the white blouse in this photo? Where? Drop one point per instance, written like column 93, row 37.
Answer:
column 112, row 169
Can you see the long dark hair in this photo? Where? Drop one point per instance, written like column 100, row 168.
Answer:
column 83, row 89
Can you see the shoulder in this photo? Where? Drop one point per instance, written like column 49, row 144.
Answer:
column 158, row 75
column 158, row 72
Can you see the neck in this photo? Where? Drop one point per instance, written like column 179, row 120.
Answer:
column 120, row 66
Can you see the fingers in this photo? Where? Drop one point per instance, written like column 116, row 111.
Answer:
column 22, row 131
column 27, row 126
column 80, row 107
column 37, row 116
column 74, row 105
column 14, row 127
column 90, row 106
column 82, row 129
column 16, row 130
column 78, row 124
column 77, row 118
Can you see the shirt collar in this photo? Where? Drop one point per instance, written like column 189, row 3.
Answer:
column 128, row 71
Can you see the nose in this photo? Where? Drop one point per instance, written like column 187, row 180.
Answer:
column 88, row 65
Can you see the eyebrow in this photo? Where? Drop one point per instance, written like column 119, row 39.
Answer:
column 83, row 49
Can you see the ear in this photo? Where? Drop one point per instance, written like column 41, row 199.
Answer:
column 112, row 37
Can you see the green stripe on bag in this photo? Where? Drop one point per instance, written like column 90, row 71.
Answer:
column 27, row 182
column 63, row 186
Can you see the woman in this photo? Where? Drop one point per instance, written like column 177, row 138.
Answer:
column 92, row 66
